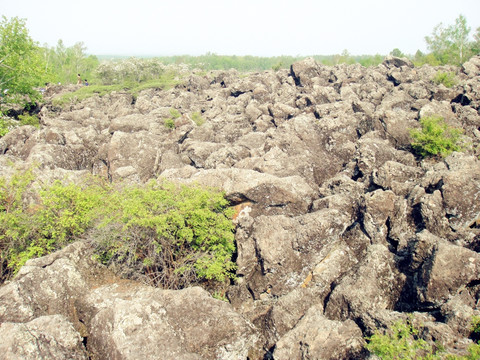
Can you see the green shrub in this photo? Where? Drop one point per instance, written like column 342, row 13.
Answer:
column 401, row 341
column 445, row 78
column 173, row 235
column 5, row 125
column 59, row 215
column 435, row 138
column 197, row 118
column 169, row 123
column 475, row 328
column 86, row 92
column 169, row 235
column 27, row 119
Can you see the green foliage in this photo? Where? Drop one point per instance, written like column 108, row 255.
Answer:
column 21, row 66
column 277, row 66
column 168, row 235
column 435, row 138
column 476, row 42
column 248, row 63
column 475, row 328
column 59, row 215
column 397, row 53
column 27, row 119
column 197, row 118
column 173, row 235
column 85, row 92
column 451, row 44
column 401, row 341
column 166, row 81
column 135, row 70
column 220, row 296
column 445, row 78
column 169, row 123
column 175, row 113
column 64, row 63
column 6, row 124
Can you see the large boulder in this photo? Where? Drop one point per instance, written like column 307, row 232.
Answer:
column 187, row 324
column 316, row 337
column 61, row 301
column 46, row 337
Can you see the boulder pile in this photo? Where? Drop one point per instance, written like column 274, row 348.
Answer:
column 341, row 228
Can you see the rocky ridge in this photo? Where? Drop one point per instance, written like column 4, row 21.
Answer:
column 342, row 229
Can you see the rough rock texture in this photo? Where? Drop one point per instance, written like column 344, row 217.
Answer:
column 115, row 318
column 341, row 229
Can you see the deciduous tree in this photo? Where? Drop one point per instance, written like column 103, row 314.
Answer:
column 21, row 63
column 451, row 44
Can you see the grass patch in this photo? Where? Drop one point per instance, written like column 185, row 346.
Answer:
column 164, row 82
column 197, row 118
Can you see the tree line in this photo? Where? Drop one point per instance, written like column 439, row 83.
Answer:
column 25, row 66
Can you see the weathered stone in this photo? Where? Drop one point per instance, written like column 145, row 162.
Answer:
column 374, row 285
column 445, row 271
column 46, row 337
column 332, row 209
column 187, row 324
column 316, row 337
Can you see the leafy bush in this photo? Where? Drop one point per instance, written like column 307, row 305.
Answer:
column 435, row 137
column 169, row 123
column 400, row 342
column 475, row 325
column 171, row 235
column 168, row 235
column 27, row 119
column 134, row 70
column 445, row 78
column 59, row 214
column 6, row 124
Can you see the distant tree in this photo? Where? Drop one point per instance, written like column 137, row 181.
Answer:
column 420, row 59
column 476, row 42
column 21, row 64
column 64, row 63
column 397, row 53
column 459, row 34
column 450, row 45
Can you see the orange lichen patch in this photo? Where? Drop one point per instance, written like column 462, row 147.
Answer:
column 240, row 207
column 307, row 280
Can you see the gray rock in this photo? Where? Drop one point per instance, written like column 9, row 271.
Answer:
column 316, row 337
column 186, row 324
column 447, row 270
column 373, row 286
column 46, row 337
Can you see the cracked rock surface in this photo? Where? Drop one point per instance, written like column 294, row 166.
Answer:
column 343, row 230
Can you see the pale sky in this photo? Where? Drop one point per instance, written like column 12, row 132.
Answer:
column 241, row 27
